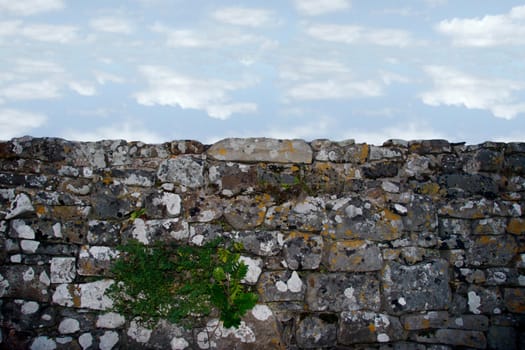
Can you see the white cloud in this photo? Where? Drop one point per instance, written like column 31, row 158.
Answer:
column 32, row 66
column 15, row 123
column 436, row 3
column 242, row 16
column 489, row 31
column 82, row 88
column 129, row 130
column 334, row 89
column 111, row 24
column 40, row 32
column 35, row 90
column 407, row 131
column 104, row 77
column 306, row 131
column 353, row 34
column 170, row 88
column 455, row 88
column 216, row 38
column 318, row 79
column 30, row 7
column 320, row 7
column 389, row 78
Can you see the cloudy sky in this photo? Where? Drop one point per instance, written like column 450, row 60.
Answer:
column 159, row 70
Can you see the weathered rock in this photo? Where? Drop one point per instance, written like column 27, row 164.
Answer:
column 20, row 207
column 262, row 243
column 338, row 292
column 308, row 215
column 95, row 260
column 233, row 178
column 454, row 337
column 160, row 204
column 25, row 282
column 484, row 300
column 355, row 256
column 492, row 226
column 150, row 231
column 515, row 300
column 492, row 250
column 469, row 322
column 63, row 270
column 281, row 286
column 459, row 185
column 183, row 171
column 432, row 319
column 85, row 295
column 261, row 150
column 340, row 152
column 380, row 169
column 367, row 327
column 303, row 251
column 429, row 146
column 200, row 207
column 419, row 287
column 502, row 338
column 247, row 213
column 103, row 232
column 317, row 331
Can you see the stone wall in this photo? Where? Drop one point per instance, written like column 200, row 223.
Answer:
column 411, row 245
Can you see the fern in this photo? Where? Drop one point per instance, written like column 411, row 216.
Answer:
column 181, row 283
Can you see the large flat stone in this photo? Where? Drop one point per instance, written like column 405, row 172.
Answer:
column 368, row 327
column 419, row 287
column 342, row 292
column 261, row 150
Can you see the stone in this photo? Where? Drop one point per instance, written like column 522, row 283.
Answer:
column 381, row 169
column 110, row 320
column 368, row 327
column 420, row 287
column 502, row 338
column 492, row 250
column 261, row 150
column 200, row 207
column 378, row 153
column 63, row 270
column 514, row 299
column 84, row 295
column 108, row 340
column 95, row 260
column 138, row 333
column 162, row 205
column 184, row 171
column 103, row 232
column 516, row 226
column 492, row 226
column 254, row 269
column 303, row 251
column 466, row 185
column 432, row 319
column 262, row 243
column 85, row 341
column 281, row 286
column 469, row 322
column 421, row 215
column 354, row 256
column 69, row 326
column 336, row 292
column 247, row 213
column 454, row 337
column 24, row 282
column 20, row 207
column 483, row 300
column 43, row 343
column 317, row 331
column 429, row 146
column 233, row 178
column 186, row 147
column 149, row 231
column 19, row 229
column 308, row 215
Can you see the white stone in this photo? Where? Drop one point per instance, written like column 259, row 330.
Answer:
column 179, row 344
column 63, row 270
column 459, row 322
column 29, row 275
column 29, row 246
column 281, row 286
column 85, row 340
column 22, row 230
column 43, row 343
column 29, row 307
column 46, row 317
column 44, row 278
column 244, row 333
column 172, row 202
column 353, row 211
column 521, row 280
column 254, row 269
column 57, row 230
column 92, row 295
column 64, row 340
column 139, row 333
column 261, row 312
column 20, row 206
column 62, row 296
column 400, row 209
column 68, row 326
column 383, row 338
column 110, row 320
column 203, row 341
column 108, row 340
column 294, row 284
column 197, row 240
column 388, row 186
column 139, row 231
column 401, row 301
column 474, row 302
column 16, row 259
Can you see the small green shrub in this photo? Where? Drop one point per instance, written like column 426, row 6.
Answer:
column 181, row 283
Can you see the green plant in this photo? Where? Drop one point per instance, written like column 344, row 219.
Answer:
column 137, row 214
column 181, row 283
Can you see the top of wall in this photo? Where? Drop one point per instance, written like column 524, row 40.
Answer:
column 102, row 154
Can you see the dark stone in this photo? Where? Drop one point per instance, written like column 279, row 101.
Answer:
column 316, row 331
column 380, row 169
column 458, row 185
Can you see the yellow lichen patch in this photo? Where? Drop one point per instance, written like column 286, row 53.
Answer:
column 287, row 147
column 486, row 240
column 390, row 216
column 364, row 153
column 372, row 327
column 425, row 324
column 322, row 166
column 74, row 291
column 295, row 168
column 40, row 210
column 355, row 244
column 516, row 226
column 222, row 151
column 107, row 180
column 430, row 189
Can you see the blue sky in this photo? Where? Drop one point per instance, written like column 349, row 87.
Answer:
column 160, row 70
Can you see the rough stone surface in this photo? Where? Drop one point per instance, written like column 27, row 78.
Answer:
column 261, row 150
column 409, row 245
